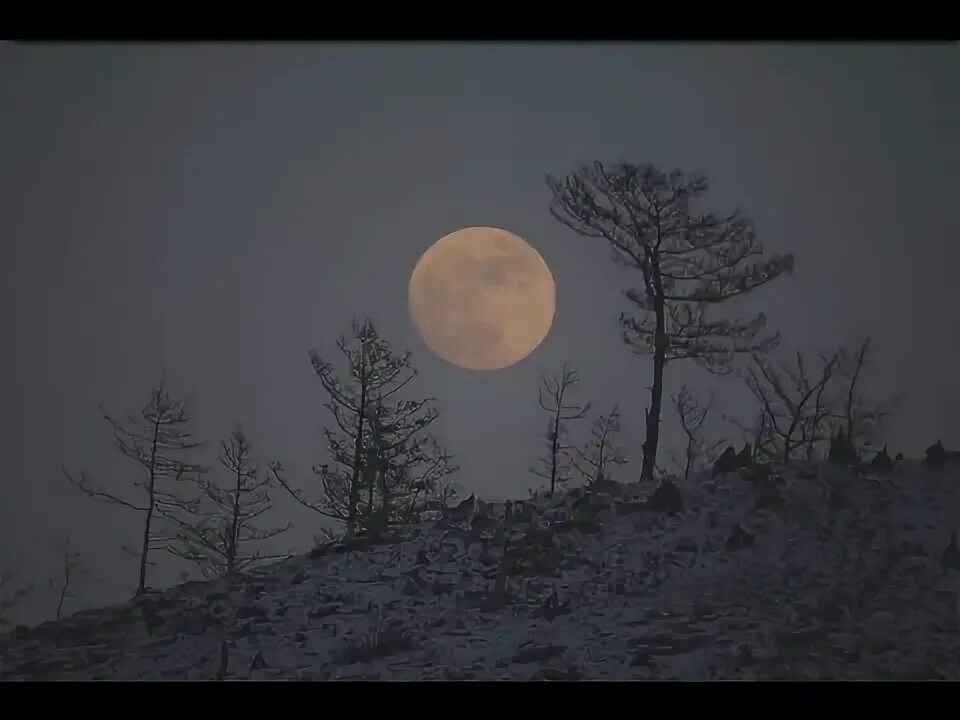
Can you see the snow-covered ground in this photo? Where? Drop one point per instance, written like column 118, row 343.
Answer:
column 820, row 572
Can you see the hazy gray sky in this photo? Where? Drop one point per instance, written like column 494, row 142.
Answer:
column 214, row 211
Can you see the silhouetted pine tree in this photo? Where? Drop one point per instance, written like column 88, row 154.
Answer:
column 688, row 261
column 379, row 441
column 593, row 461
column 71, row 570
column 215, row 528
column 153, row 441
column 410, row 477
column 554, row 464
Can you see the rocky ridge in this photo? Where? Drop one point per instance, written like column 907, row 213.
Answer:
column 808, row 572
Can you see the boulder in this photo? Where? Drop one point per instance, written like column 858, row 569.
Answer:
column 726, row 463
column 666, row 499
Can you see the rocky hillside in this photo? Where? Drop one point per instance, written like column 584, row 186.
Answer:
column 806, row 572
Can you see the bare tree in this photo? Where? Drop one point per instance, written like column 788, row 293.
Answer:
column 688, row 261
column 789, row 398
column 375, row 432
column 759, row 435
column 214, row 527
column 153, row 441
column 553, row 465
column 858, row 415
column 693, row 415
column 593, row 461
column 71, row 569
column 814, row 424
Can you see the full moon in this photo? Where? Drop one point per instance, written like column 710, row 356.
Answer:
column 482, row 298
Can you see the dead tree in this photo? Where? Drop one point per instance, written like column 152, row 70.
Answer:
column 759, row 436
column 153, row 441
column 687, row 260
column 693, row 416
column 372, row 427
column 813, row 430
column 858, row 416
column 215, row 527
column 786, row 396
column 552, row 465
column 593, row 461
column 71, row 569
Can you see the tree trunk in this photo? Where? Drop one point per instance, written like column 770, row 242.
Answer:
column 357, row 456
column 603, row 440
column 384, row 499
column 235, row 526
column 371, row 475
column 63, row 595
column 787, row 447
column 656, row 391
column 653, row 419
column 555, row 446
column 145, row 549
